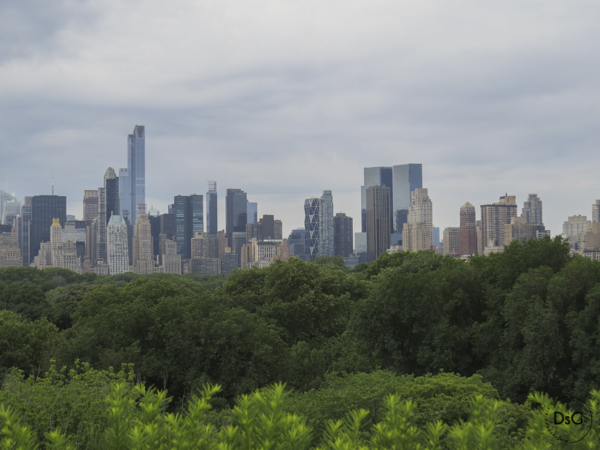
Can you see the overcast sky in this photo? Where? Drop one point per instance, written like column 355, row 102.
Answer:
column 284, row 99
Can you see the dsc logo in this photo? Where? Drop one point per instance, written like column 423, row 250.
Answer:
column 568, row 425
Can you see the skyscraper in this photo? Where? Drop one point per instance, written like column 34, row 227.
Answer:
column 90, row 205
column 252, row 212
column 125, row 194
column 417, row 232
column 44, row 208
column 24, row 225
column 189, row 219
column 136, row 170
column 211, row 209
column 236, row 214
column 378, row 221
column 493, row 219
column 405, row 179
column 101, row 226
column 532, row 210
column 452, row 241
column 343, row 233
column 468, row 230
column 326, row 227
column 117, row 246
column 111, row 187
column 143, row 258
column 375, row 176
column 311, row 227
column 5, row 197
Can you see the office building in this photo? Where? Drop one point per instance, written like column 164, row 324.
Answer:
column 11, row 210
column 493, row 219
column 90, row 205
column 125, row 194
column 57, row 253
column 143, row 259
column 236, row 213
column 405, row 179
column 326, row 227
column 519, row 230
column 343, row 233
column 296, row 243
column 532, row 210
column 596, row 211
column 111, row 189
column 136, row 167
column 252, row 212
column 117, row 245
column 169, row 259
column 44, row 208
column 378, row 221
column 5, row 197
column 189, row 219
column 375, row 176
column 468, row 230
column 10, row 253
column 573, row 226
column 418, row 231
column 318, row 226
column 452, row 242
column 23, row 227
column 204, row 247
column 211, row 209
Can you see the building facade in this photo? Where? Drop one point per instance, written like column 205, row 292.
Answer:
column 418, row 231
column 211, row 209
column 343, row 235
column 493, row 219
column 143, row 259
column 405, row 179
column 117, row 245
column 236, row 213
column 189, row 220
column 378, row 221
column 468, row 230
column 44, row 208
column 452, row 242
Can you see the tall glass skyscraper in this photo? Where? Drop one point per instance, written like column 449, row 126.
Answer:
column 405, row 179
column 44, row 208
column 125, row 195
column 375, row 176
column 111, row 187
column 189, row 219
column 236, row 213
column 319, row 226
column 211, row 209
column 311, row 227
column 136, row 168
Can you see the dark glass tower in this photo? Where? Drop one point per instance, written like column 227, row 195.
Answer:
column 375, row 176
column 378, row 221
column 342, row 242
column 311, row 227
column 111, row 186
column 24, row 223
column 211, row 209
column 236, row 213
column 44, row 208
column 189, row 219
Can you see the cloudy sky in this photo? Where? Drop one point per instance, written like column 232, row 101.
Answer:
column 286, row 98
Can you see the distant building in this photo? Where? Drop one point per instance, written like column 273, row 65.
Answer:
column 596, row 211
column 211, row 209
column 117, row 246
column 375, row 176
column 169, row 260
column 532, row 210
column 189, row 220
column 57, row 253
column 136, row 170
column 343, row 234
column 252, row 212
column 23, row 231
column 10, row 253
column 236, row 213
column 318, row 226
column 44, row 208
column 468, row 230
column 378, row 221
column 406, row 178
column 493, row 219
column 143, row 259
column 111, row 187
column 418, row 231
column 519, row 230
column 452, row 242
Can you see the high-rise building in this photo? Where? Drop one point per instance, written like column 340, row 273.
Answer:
column 468, row 230
column 24, row 225
column 519, row 230
column 5, row 197
column 143, row 259
column 375, row 176
column 405, row 179
column 493, row 219
column 211, row 209
column 296, row 243
column 136, row 171
column 111, row 188
column 326, row 227
column 575, row 225
column 236, row 214
column 101, row 226
column 596, row 211
column 12, row 209
column 532, row 210
column 252, row 212
column 117, row 245
column 154, row 218
column 44, row 208
column 57, row 253
column 10, row 254
column 125, row 194
column 343, row 233
column 90, row 205
column 418, row 231
column 378, row 221
column 318, row 224
column 189, row 219
column 452, row 241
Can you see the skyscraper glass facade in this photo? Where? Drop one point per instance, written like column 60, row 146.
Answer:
column 374, row 176
column 189, row 219
column 311, row 227
column 236, row 213
column 211, row 209
column 136, row 165
column 405, row 179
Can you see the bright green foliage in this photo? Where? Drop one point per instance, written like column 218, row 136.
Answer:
column 72, row 401
column 137, row 419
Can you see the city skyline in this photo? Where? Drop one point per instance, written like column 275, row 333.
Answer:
column 506, row 103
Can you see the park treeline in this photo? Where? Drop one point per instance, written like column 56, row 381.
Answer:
column 524, row 320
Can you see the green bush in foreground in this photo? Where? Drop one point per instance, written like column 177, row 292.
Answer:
column 136, row 418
